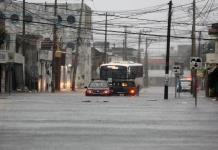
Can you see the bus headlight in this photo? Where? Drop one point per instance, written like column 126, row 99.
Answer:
column 124, row 84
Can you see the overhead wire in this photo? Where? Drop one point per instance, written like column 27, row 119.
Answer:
column 120, row 17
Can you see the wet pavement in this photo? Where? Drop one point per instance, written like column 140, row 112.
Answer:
column 69, row 120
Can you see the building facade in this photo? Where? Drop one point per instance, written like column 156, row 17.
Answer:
column 35, row 59
column 212, row 65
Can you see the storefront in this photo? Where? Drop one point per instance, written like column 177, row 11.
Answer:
column 3, row 63
column 11, row 71
column 212, row 82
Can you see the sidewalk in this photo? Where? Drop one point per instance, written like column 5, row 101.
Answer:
column 158, row 92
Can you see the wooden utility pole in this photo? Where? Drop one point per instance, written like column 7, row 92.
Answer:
column 139, row 46
column 193, row 52
column 78, row 43
column 199, row 44
column 146, row 63
column 123, row 50
column 200, row 55
column 105, row 41
column 125, row 44
column 24, row 28
column 193, row 31
column 168, row 52
column 55, row 60
column 23, row 36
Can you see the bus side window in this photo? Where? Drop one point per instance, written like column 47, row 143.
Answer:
column 128, row 70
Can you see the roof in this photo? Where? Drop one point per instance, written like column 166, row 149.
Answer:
column 122, row 63
column 100, row 50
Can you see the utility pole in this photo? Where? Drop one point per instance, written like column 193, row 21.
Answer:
column 125, row 43
column 146, row 63
column 168, row 52
column 139, row 51
column 78, row 42
column 23, row 36
column 24, row 28
column 123, row 50
column 193, row 31
column 199, row 44
column 105, row 41
column 56, row 58
column 200, row 54
column 193, row 52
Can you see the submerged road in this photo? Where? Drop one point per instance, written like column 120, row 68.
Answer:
column 71, row 121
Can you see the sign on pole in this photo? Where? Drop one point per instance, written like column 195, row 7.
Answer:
column 195, row 63
column 177, row 69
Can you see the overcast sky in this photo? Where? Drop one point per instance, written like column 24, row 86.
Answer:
column 129, row 4
column 114, row 5
column 180, row 14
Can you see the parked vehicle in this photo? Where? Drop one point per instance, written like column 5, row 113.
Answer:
column 184, row 84
column 98, row 88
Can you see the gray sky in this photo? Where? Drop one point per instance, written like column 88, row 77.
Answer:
column 114, row 5
column 130, row 4
column 182, row 13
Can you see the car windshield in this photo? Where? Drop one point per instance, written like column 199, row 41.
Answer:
column 127, row 84
column 98, row 85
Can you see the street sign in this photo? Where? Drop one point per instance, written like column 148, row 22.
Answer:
column 177, row 69
column 195, row 62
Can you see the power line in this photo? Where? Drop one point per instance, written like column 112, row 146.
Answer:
column 101, row 30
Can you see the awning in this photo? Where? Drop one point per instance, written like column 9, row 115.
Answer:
column 212, row 70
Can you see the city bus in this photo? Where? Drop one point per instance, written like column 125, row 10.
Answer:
column 124, row 77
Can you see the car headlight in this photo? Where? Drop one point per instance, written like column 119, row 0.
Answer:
column 106, row 92
column 89, row 91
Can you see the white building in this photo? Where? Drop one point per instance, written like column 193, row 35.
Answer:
column 39, row 23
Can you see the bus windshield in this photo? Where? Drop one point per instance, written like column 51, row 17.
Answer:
column 114, row 72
